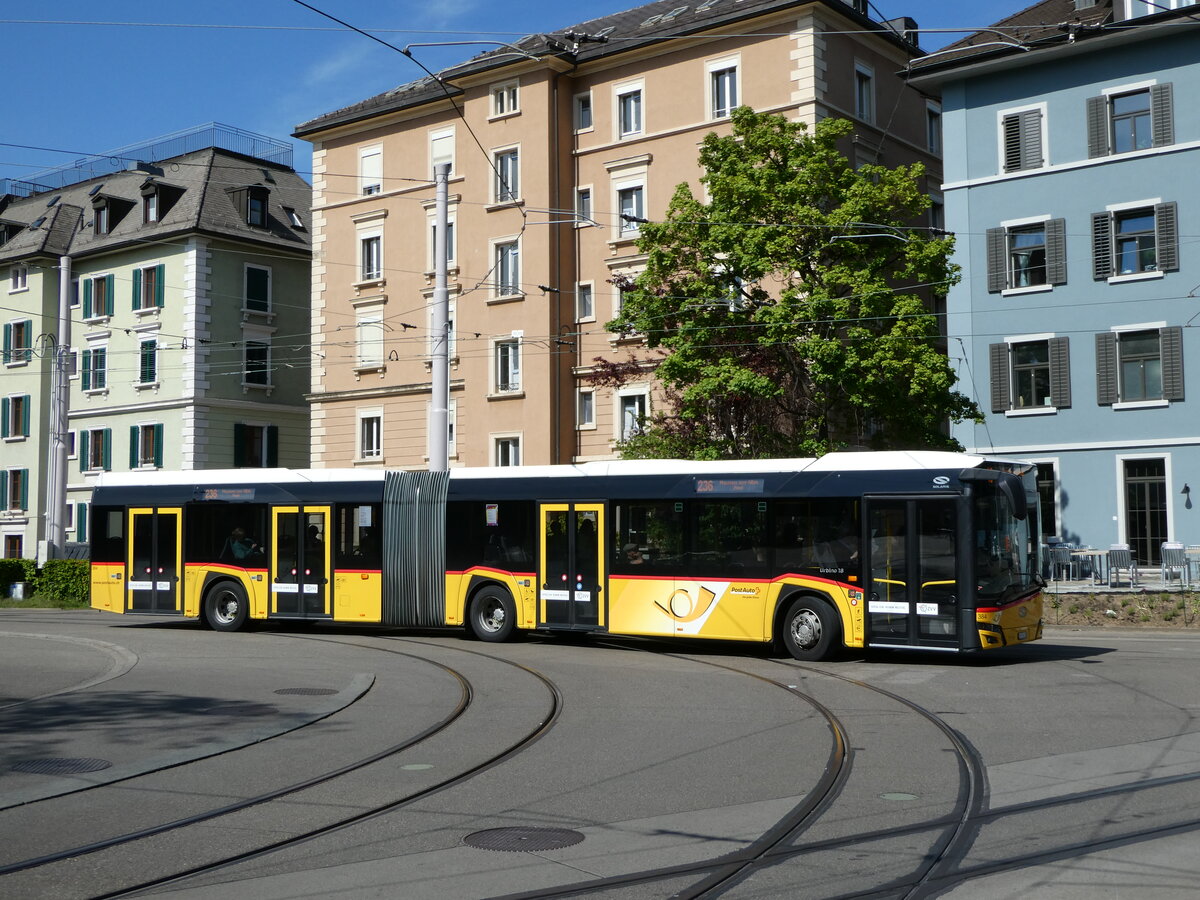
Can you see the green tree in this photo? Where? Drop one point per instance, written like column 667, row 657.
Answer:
column 787, row 309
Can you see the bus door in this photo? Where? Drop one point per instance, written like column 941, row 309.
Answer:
column 155, row 561
column 300, row 561
column 911, row 571
column 571, row 574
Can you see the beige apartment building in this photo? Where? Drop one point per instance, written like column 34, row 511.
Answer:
column 558, row 145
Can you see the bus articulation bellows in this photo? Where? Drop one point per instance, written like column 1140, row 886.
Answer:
column 919, row 550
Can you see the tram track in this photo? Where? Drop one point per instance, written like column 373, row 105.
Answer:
column 178, row 825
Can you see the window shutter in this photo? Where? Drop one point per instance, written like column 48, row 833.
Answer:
column 106, row 443
column 137, row 289
column 1056, row 251
column 1031, row 139
column 110, row 283
column 1106, row 369
column 84, row 437
column 81, row 522
column 1097, row 126
column 997, row 269
column 1162, row 116
column 24, row 489
column 1171, row 347
column 160, row 288
column 271, row 436
column 1060, row 372
column 25, row 415
column 86, row 377
column 1001, row 393
column 133, row 447
column 1166, row 235
column 158, row 446
column 3, row 489
column 1101, row 246
column 7, row 342
column 87, row 298
column 239, row 445
column 4, row 406
column 1012, row 143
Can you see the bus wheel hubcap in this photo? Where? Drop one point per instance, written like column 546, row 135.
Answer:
column 493, row 617
column 227, row 608
column 806, row 629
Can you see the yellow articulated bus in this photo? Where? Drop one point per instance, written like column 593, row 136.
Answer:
column 921, row 550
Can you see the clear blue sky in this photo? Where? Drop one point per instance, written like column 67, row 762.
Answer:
column 116, row 75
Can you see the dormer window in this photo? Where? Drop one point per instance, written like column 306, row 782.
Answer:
column 9, row 230
column 150, row 207
column 108, row 211
column 103, row 221
column 251, row 203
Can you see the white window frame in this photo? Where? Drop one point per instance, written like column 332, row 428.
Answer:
column 506, row 161
column 1134, row 328
column 18, row 279
column 506, row 363
column 499, row 279
column 864, row 106
column 934, row 134
column 370, row 170
column 504, row 99
column 585, row 409
column 103, row 389
column 361, row 417
column 620, row 92
column 639, row 393
column 584, row 206
column 588, row 289
column 257, row 336
column 513, row 441
column 1009, row 226
column 1043, row 119
column 712, row 70
column 441, row 139
column 368, row 339
column 628, row 231
column 142, row 342
column 365, row 275
column 1114, row 211
column 576, row 110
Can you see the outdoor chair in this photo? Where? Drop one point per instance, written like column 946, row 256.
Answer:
column 1119, row 557
column 1175, row 562
column 1061, row 561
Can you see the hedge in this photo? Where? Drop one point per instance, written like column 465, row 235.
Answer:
column 65, row 580
column 12, row 570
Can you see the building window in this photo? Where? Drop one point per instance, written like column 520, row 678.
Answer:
column 13, row 546
column 508, row 269
column 583, row 111
column 1047, row 488
column 586, row 408
column 257, row 363
column 95, row 369
column 585, row 304
column 149, row 207
column 723, row 91
column 14, row 416
column 1027, row 254
column 441, row 149
column 98, row 296
column 370, row 436
column 1031, row 374
column 864, row 92
column 102, row 218
column 1021, row 139
column 933, row 128
column 1139, row 365
column 371, row 256
column 256, row 207
column 145, row 447
column 505, row 99
column 508, row 366
column 18, row 278
column 18, row 342
column 629, row 112
column 255, row 446
column 507, row 187
column 148, row 288
column 631, row 206
column 1122, row 121
column 507, row 451
column 148, row 362
column 15, row 489
column 369, row 330
column 370, row 170
column 1135, row 241
column 257, row 282
column 631, row 415
column 95, row 451
column 937, row 215
column 583, row 207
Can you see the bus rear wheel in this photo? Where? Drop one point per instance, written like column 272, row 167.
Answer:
column 810, row 629
column 493, row 615
column 226, row 607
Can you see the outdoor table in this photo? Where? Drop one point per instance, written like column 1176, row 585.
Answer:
column 1099, row 563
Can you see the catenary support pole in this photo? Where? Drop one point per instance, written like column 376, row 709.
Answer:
column 439, row 409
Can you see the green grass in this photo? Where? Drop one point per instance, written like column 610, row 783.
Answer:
column 37, row 601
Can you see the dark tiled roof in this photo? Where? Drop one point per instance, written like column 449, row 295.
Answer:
column 195, row 181
column 1048, row 20
column 625, row 31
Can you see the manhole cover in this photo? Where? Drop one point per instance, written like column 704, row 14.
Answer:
column 60, row 766
column 307, row 692
column 523, row 839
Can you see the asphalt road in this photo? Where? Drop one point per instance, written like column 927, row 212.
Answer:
column 141, row 754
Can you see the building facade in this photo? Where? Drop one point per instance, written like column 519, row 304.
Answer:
column 559, row 146
column 187, row 282
column 1071, row 151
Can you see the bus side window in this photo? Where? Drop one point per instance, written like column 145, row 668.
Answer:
column 359, row 528
column 648, row 536
column 108, row 534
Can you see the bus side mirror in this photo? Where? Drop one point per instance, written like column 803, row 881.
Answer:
column 1008, row 484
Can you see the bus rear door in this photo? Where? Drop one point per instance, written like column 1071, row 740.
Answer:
column 155, row 561
column 300, row 561
column 911, row 572
column 571, row 572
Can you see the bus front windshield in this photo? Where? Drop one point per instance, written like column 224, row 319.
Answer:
column 1005, row 551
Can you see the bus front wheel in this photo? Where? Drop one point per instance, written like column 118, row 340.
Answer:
column 493, row 615
column 809, row 629
column 226, row 607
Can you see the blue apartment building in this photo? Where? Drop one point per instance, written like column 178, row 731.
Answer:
column 1072, row 147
